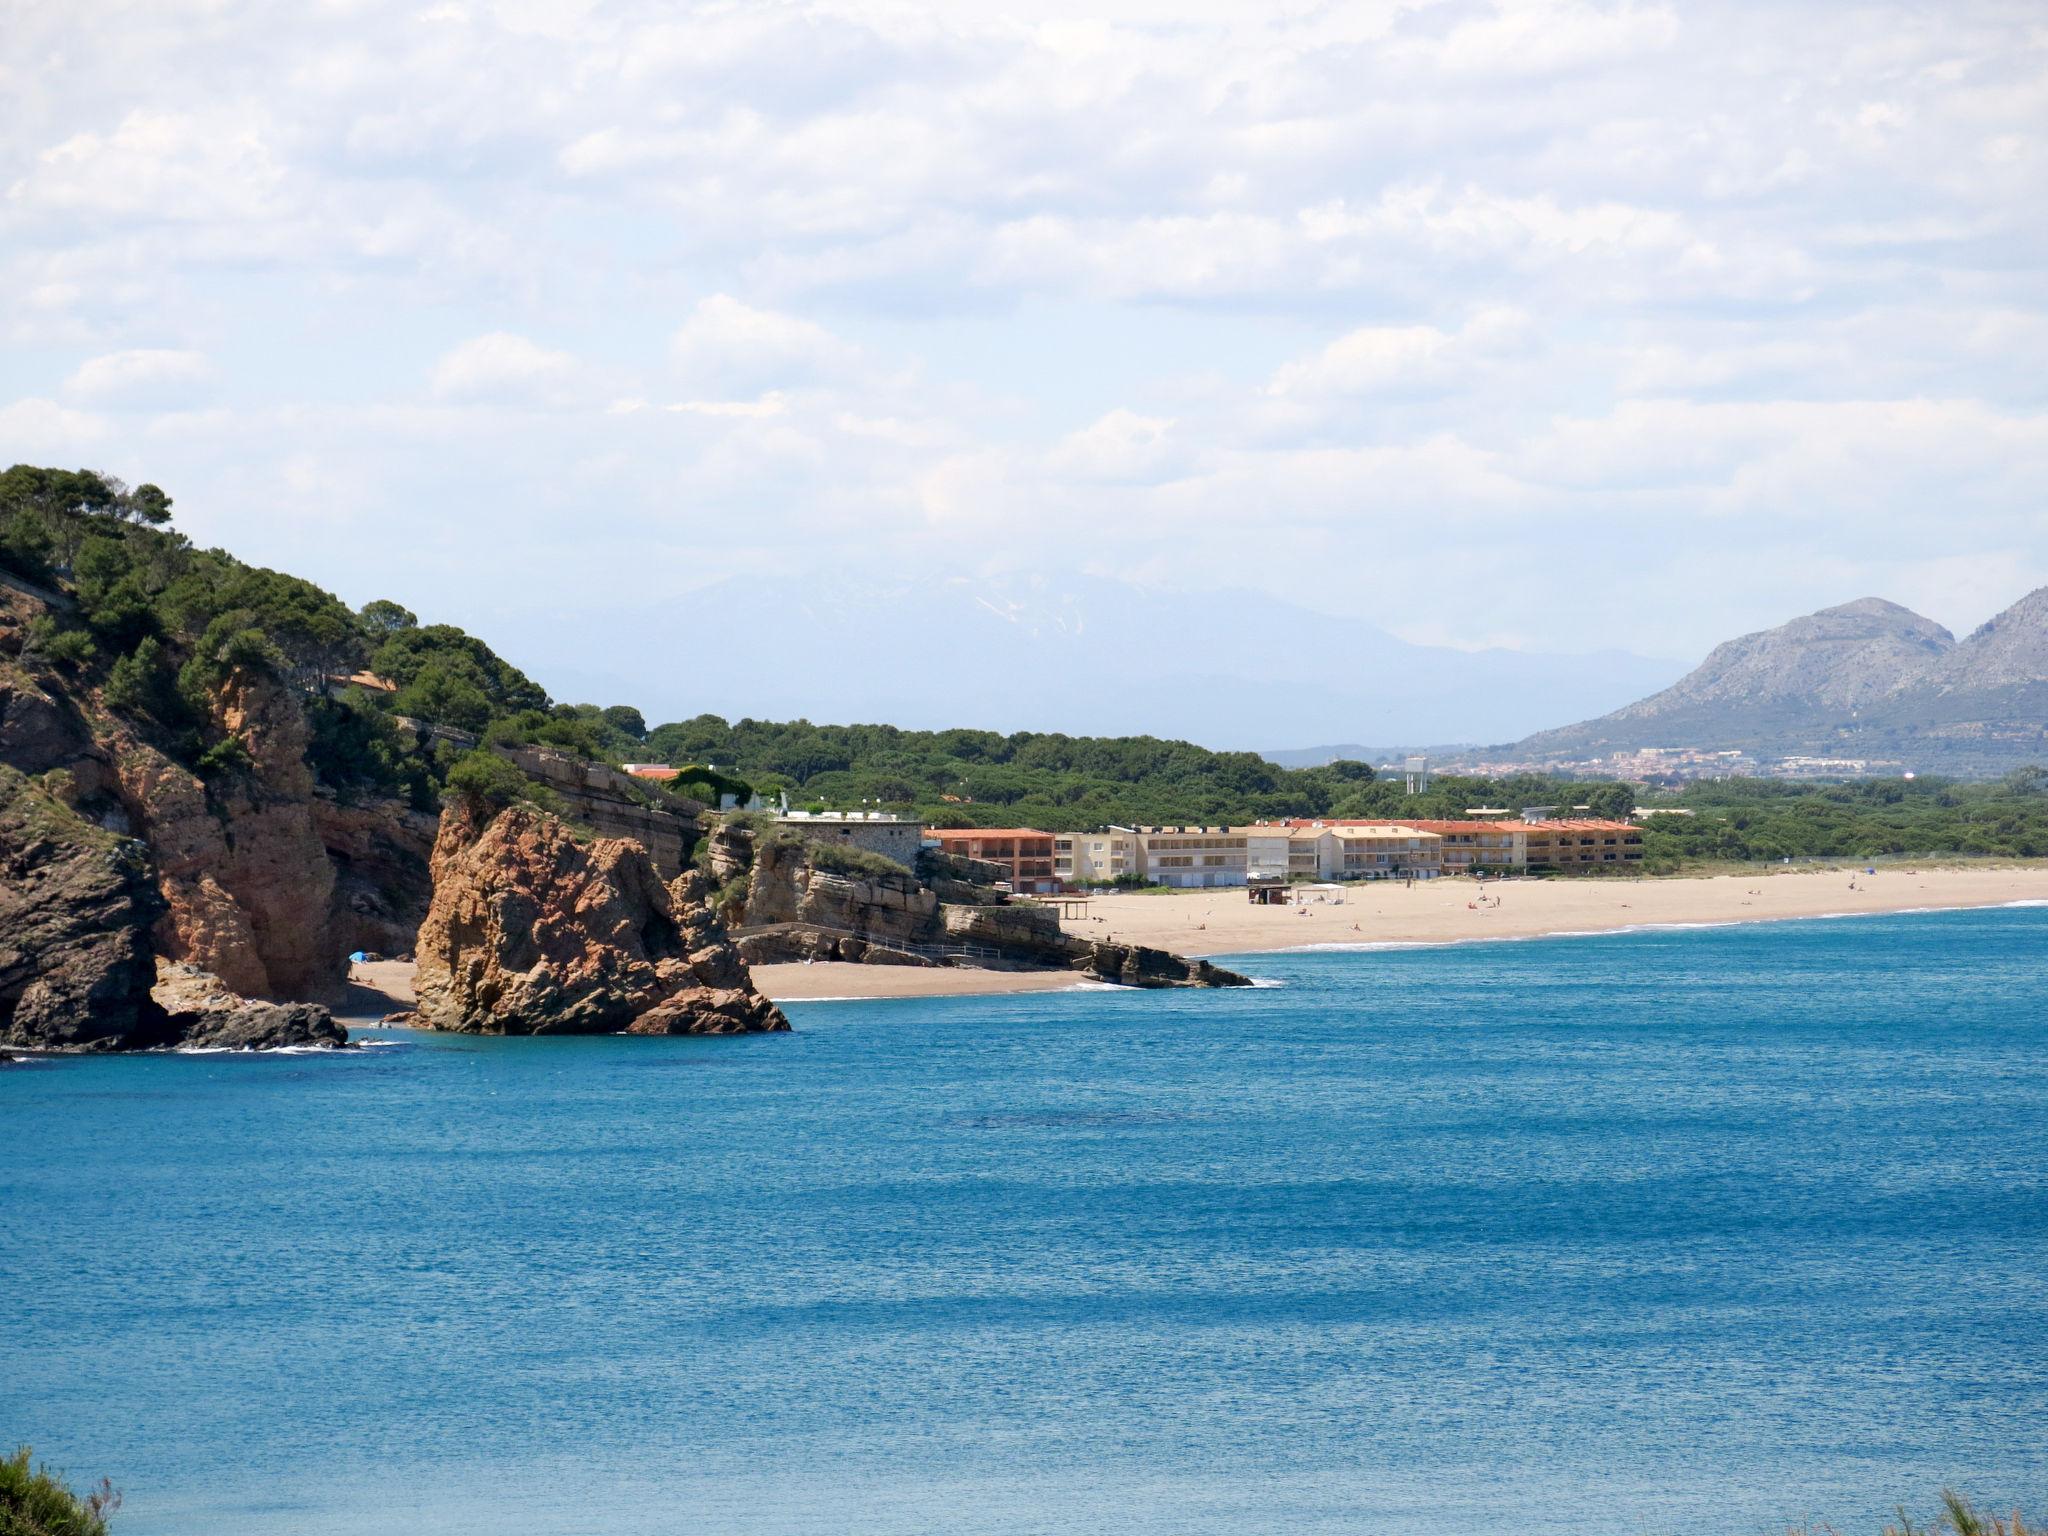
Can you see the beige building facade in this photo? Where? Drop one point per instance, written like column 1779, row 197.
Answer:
column 1095, row 858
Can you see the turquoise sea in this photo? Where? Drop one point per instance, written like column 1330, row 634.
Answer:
column 1681, row 1231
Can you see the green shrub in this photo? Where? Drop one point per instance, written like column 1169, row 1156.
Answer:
column 486, row 783
column 225, row 758
column 730, row 900
column 67, row 648
column 846, row 859
column 33, row 1502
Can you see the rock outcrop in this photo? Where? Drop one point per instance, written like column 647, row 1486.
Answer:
column 790, row 908
column 536, row 931
column 265, row 879
column 76, row 906
column 204, row 1014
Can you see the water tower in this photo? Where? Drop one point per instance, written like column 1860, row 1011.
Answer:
column 1418, row 775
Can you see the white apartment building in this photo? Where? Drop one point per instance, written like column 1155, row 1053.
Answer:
column 1318, row 850
column 1190, row 856
column 1386, row 852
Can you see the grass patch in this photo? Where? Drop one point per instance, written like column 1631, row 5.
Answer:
column 35, row 1502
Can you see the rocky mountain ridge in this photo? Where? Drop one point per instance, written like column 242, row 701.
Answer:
column 1867, row 679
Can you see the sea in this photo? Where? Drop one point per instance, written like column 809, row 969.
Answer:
column 1710, row 1230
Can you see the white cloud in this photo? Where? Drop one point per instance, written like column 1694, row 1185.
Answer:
column 198, row 166
column 504, row 368
column 728, row 345
column 148, row 375
column 35, row 428
column 1133, row 279
column 1120, row 446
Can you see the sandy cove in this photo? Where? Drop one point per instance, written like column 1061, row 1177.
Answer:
column 1447, row 911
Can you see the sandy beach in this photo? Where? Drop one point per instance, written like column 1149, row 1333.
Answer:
column 1448, row 910
column 1222, row 922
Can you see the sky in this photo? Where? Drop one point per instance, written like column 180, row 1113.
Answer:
column 1541, row 324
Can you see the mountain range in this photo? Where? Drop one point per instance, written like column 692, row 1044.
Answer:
column 1084, row 655
column 1868, row 679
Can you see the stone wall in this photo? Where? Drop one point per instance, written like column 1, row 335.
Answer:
column 898, row 840
column 614, row 804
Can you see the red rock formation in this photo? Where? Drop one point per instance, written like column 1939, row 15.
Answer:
column 247, row 884
column 533, row 931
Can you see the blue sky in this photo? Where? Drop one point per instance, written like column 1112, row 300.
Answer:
column 1554, row 325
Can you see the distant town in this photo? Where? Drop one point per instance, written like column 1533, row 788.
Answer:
column 1672, row 765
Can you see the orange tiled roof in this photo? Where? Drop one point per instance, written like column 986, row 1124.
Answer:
column 944, row 834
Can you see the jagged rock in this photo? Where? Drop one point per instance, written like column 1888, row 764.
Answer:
column 76, row 905
column 533, row 931
column 1139, row 965
column 203, row 1012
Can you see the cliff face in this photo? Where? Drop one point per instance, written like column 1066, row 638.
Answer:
column 532, row 931
column 76, row 905
column 381, row 854
column 248, row 887
column 260, row 879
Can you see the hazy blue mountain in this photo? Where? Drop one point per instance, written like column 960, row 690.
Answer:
column 1867, row 679
column 1082, row 655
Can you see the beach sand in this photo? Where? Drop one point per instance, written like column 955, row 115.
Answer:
column 1222, row 922
column 1448, row 910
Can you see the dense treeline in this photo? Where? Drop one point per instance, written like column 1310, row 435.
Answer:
column 1769, row 819
column 155, row 623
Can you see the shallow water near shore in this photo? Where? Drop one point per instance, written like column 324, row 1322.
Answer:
column 1675, row 1231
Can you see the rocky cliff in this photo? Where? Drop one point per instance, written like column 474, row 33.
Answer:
column 256, row 876
column 785, row 906
column 76, row 907
column 535, row 930
column 615, row 804
column 77, row 972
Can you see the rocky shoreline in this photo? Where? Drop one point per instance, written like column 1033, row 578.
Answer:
column 147, row 904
